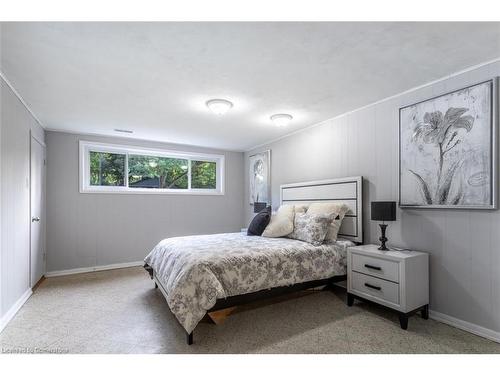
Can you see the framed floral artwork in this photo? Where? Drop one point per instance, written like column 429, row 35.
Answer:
column 448, row 150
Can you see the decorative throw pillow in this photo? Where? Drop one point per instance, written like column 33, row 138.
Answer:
column 311, row 228
column 281, row 223
column 337, row 209
column 259, row 222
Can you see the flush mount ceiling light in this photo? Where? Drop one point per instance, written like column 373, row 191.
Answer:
column 219, row 106
column 281, row 119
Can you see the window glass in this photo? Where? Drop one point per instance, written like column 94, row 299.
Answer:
column 153, row 172
column 203, row 174
column 107, row 169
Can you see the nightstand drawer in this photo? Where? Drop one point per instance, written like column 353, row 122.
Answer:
column 375, row 287
column 386, row 269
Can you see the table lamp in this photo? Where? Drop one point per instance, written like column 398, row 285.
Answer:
column 383, row 211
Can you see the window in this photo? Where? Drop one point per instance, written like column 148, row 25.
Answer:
column 106, row 168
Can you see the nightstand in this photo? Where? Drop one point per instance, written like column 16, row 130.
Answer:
column 398, row 280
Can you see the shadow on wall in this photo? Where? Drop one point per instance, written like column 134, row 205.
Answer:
column 369, row 227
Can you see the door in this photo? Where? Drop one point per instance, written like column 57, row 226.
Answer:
column 37, row 202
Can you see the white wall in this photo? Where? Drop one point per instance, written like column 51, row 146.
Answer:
column 464, row 245
column 88, row 230
column 16, row 125
column 1, row 236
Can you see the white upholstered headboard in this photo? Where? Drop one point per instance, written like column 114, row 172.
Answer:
column 348, row 190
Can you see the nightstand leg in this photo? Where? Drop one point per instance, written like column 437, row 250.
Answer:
column 425, row 312
column 403, row 320
column 156, row 286
column 350, row 299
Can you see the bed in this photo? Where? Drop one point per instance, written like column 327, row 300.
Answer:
column 205, row 273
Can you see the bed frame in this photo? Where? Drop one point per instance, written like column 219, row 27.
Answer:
column 343, row 190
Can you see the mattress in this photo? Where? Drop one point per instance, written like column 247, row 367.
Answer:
column 195, row 271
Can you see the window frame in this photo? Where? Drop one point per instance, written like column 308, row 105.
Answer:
column 85, row 147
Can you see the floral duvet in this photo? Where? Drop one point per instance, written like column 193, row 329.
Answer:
column 195, row 271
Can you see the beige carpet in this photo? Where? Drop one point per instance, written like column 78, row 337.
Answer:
column 119, row 311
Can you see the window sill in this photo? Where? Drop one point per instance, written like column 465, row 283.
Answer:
column 149, row 192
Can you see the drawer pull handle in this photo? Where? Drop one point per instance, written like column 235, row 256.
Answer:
column 373, row 267
column 372, row 286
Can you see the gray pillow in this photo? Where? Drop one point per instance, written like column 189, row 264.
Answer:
column 311, row 228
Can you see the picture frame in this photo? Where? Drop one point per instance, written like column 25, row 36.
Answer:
column 259, row 173
column 448, row 149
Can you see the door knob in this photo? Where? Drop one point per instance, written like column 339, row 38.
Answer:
column 35, row 218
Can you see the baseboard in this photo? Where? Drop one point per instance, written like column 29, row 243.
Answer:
column 93, row 269
column 465, row 326
column 14, row 309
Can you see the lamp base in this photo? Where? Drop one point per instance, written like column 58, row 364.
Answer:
column 383, row 238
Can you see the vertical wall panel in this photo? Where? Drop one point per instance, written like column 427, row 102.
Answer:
column 16, row 124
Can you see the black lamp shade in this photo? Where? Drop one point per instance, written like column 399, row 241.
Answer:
column 384, row 211
column 259, row 206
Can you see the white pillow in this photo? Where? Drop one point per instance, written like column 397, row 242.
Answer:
column 281, row 223
column 300, row 208
column 333, row 231
column 339, row 209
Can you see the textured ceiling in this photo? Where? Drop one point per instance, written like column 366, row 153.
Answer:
column 154, row 78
